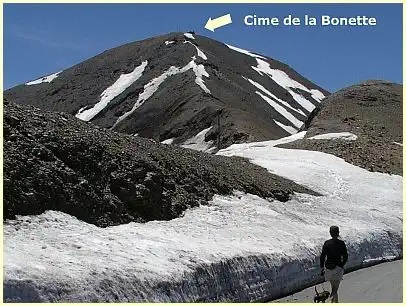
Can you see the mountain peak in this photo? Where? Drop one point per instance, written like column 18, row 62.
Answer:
column 176, row 86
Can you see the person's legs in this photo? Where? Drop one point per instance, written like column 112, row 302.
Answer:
column 334, row 290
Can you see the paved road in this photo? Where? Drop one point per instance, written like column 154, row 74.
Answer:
column 380, row 283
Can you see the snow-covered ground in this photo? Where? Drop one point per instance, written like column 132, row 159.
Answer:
column 239, row 248
column 45, row 79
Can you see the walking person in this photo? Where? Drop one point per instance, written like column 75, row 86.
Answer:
column 333, row 267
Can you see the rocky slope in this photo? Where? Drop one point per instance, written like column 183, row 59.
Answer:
column 53, row 161
column 176, row 86
column 373, row 112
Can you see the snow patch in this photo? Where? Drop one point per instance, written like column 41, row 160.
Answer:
column 168, row 42
column 198, row 142
column 189, row 35
column 168, row 141
column 281, row 110
column 199, row 52
column 291, row 130
column 151, row 87
column 398, row 143
column 317, row 95
column 343, row 135
column 245, row 51
column 282, row 79
column 45, row 79
column 200, row 71
column 260, row 87
column 123, row 82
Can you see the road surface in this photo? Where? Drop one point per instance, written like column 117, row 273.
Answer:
column 380, row 283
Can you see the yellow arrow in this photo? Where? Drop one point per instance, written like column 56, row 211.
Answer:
column 213, row 24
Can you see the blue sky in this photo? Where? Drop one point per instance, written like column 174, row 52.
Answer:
column 40, row 39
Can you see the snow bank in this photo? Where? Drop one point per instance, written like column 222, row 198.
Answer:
column 245, row 51
column 239, row 248
column 198, row 142
column 283, row 80
column 123, row 82
column 343, row 135
column 45, row 79
column 151, row 87
column 189, row 35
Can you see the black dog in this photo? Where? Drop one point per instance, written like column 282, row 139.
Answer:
column 321, row 297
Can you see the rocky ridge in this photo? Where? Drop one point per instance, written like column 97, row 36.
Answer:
column 372, row 111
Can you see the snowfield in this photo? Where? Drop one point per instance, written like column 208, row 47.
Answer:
column 239, row 248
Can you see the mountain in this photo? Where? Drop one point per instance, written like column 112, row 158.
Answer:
column 372, row 112
column 53, row 161
column 180, row 88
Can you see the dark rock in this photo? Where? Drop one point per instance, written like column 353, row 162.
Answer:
column 379, row 125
